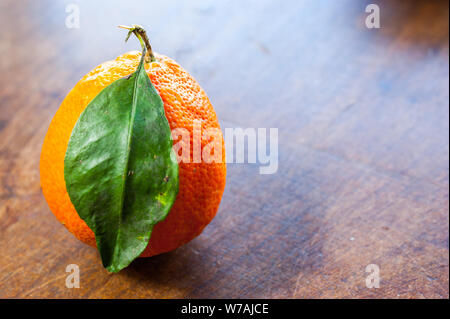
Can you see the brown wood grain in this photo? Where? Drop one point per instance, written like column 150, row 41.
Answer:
column 363, row 119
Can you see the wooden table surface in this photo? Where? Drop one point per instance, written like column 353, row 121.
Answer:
column 363, row 120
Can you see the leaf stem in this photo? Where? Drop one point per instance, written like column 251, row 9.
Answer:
column 140, row 33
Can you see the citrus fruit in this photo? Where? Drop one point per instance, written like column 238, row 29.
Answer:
column 200, row 184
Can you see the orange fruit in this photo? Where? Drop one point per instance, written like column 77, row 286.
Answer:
column 200, row 184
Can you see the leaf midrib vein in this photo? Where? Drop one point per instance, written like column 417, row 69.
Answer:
column 127, row 159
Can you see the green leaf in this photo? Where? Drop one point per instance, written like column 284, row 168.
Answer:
column 120, row 170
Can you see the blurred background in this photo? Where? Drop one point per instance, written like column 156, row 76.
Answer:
column 363, row 120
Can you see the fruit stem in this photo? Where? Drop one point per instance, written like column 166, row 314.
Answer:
column 140, row 33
